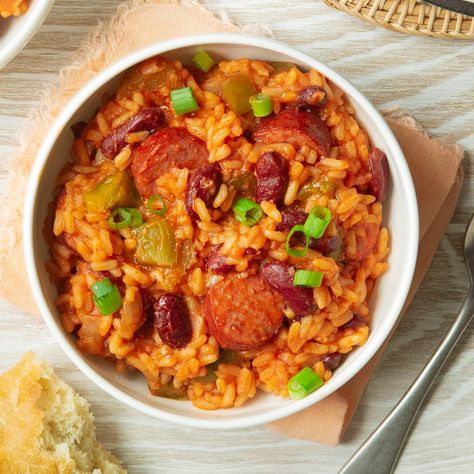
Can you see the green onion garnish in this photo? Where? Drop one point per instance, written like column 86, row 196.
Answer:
column 106, row 296
column 294, row 252
column 183, row 101
column 151, row 205
column 308, row 278
column 317, row 221
column 128, row 217
column 261, row 105
column 247, row 212
column 303, row 383
column 203, row 61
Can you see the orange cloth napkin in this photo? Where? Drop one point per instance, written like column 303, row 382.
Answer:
column 435, row 169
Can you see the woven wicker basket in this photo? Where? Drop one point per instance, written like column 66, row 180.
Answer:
column 410, row 16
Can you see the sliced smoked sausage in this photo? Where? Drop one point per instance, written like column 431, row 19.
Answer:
column 296, row 127
column 163, row 150
column 242, row 313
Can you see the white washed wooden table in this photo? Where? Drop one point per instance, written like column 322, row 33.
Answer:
column 435, row 79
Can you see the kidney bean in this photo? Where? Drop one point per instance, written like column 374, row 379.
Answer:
column 149, row 119
column 77, row 128
column 290, row 218
column 378, row 166
column 272, row 177
column 216, row 262
column 311, row 98
column 204, row 184
column 332, row 361
column 172, row 320
column 355, row 323
column 280, row 275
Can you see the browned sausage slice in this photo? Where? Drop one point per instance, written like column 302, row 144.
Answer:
column 163, row 150
column 296, row 127
column 242, row 313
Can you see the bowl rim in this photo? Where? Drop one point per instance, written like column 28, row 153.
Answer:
column 34, row 18
column 84, row 94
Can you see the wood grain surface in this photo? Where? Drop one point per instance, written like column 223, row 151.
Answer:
column 435, row 80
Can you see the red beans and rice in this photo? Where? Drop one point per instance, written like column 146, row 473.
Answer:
column 209, row 310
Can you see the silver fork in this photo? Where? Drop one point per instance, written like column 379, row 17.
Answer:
column 380, row 451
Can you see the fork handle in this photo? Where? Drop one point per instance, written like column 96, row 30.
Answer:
column 380, row 451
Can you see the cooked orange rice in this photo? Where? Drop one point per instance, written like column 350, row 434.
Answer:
column 13, row 8
column 84, row 249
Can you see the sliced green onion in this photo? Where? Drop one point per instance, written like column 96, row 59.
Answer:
column 183, row 101
column 308, row 278
column 102, row 288
column 303, row 383
column 106, row 296
column 129, row 217
column 317, row 222
column 203, row 61
column 294, row 252
column 261, row 105
column 151, row 205
column 247, row 212
column 137, row 218
column 124, row 221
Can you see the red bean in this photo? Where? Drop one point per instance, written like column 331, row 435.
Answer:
column 355, row 323
column 311, row 98
column 332, row 361
column 216, row 263
column 290, row 218
column 149, row 119
column 204, row 184
column 272, row 177
column 77, row 128
column 280, row 275
column 172, row 320
column 378, row 166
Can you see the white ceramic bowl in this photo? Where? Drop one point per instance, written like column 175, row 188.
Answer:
column 16, row 31
column 400, row 215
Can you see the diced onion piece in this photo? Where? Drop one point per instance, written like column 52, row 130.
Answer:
column 261, row 105
column 303, row 383
column 294, row 252
column 203, row 61
column 308, row 278
column 183, row 101
column 247, row 212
